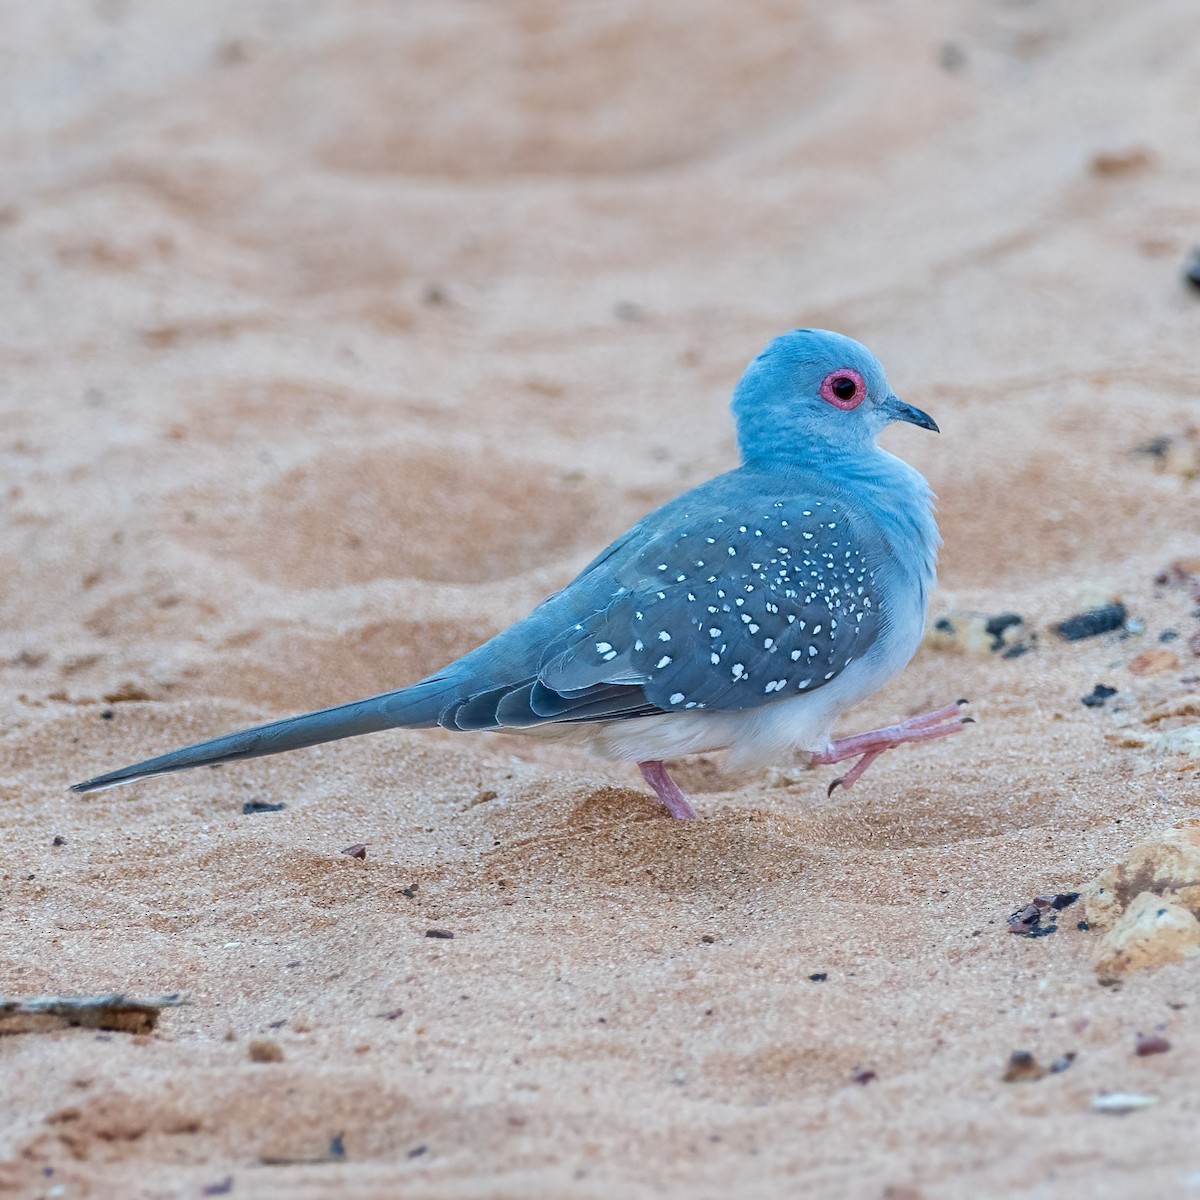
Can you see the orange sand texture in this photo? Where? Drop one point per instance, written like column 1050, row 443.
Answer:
column 337, row 335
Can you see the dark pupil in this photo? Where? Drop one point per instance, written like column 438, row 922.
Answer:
column 844, row 387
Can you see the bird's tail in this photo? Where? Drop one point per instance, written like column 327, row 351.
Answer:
column 412, row 707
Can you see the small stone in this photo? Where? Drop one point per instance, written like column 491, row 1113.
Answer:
column 863, row 1075
column 262, row 1050
column 1092, row 623
column 1150, row 1043
column 1026, row 922
column 358, row 850
column 1191, row 269
column 1117, row 1104
column 1126, row 161
column 1098, row 695
column 1022, row 1068
column 438, row 933
column 262, row 806
column 1062, row 1062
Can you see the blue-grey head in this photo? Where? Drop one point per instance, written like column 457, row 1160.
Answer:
column 811, row 389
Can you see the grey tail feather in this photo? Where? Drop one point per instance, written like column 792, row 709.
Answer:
column 411, row 707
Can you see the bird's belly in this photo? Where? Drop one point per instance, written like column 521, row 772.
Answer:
column 754, row 737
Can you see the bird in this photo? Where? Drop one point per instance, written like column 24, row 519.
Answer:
column 742, row 617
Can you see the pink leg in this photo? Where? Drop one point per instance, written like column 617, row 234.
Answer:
column 667, row 790
column 942, row 722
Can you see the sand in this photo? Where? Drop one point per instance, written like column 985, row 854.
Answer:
column 335, row 337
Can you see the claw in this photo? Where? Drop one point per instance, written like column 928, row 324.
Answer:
column 833, row 787
column 960, row 703
column 966, row 721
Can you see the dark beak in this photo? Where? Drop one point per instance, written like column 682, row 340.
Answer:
column 899, row 411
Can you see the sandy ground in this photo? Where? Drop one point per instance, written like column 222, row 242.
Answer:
column 334, row 337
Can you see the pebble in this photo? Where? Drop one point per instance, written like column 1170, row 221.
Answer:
column 1191, row 269
column 1092, row 623
column 1119, row 1103
column 1150, row 1043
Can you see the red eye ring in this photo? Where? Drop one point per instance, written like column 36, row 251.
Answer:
column 844, row 388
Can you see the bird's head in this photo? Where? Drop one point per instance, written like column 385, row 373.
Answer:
column 810, row 390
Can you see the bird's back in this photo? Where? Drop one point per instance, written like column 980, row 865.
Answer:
column 755, row 586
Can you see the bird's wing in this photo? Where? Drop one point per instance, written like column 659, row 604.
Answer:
column 728, row 611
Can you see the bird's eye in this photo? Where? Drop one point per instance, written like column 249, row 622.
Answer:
column 844, row 389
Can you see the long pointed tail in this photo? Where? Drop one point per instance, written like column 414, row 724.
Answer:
column 412, row 707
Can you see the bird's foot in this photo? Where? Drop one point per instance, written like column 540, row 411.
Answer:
column 941, row 722
column 667, row 790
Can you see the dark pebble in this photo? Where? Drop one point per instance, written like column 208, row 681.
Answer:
column 819, row 976
column 997, row 625
column 1015, row 651
column 417, row 1151
column 1062, row 1062
column 863, row 1075
column 1168, row 635
column 337, row 1148
column 1191, row 269
column 261, row 806
column 1022, row 1067
column 1082, row 926
column 1098, row 695
column 1091, row 623
column 106, row 714
column 358, row 850
column 409, row 891
column 1027, row 921
column 1156, row 448
column 221, row 1188
column 438, row 933
column 58, row 840
column 1150, row 1043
